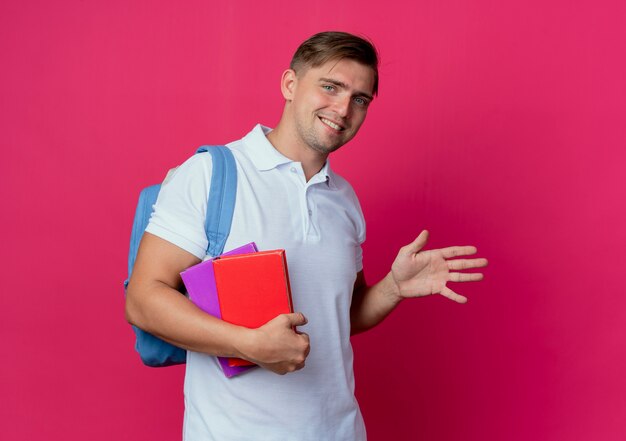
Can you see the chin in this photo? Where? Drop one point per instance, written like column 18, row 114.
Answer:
column 325, row 149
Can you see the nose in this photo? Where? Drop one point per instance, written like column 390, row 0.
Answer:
column 342, row 105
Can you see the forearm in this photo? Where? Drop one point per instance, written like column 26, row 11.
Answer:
column 164, row 312
column 154, row 305
column 371, row 304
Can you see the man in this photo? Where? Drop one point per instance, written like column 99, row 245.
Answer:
column 287, row 197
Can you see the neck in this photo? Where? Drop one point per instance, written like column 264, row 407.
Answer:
column 287, row 144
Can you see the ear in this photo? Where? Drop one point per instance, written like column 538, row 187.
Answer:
column 288, row 84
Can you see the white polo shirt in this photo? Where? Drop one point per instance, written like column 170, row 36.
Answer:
column 320, row 225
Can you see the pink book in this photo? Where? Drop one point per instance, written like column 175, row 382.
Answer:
column 200, row 283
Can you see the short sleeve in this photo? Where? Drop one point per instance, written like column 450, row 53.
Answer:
column 359, row 258
column 360, row 235
column 180, row 210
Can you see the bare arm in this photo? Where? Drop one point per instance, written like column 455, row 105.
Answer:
column 414, row 273
column 371, row 304
column 154, row 304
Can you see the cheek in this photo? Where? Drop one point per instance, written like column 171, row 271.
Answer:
column 359, row 119
column 318, row 99
column 312, row 103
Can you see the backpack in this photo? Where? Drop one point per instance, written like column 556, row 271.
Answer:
column 152, row 350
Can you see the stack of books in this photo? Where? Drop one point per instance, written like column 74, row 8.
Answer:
column 245, row 287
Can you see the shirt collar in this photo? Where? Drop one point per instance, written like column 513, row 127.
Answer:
column 265, row 157
column 326, row 174
column 261, row 152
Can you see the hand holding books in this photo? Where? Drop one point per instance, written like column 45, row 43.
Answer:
column 251, row 289
column 277, row 346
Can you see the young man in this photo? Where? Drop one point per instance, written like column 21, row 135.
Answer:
column 287, row 197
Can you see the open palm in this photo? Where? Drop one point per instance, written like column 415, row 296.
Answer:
column 420, row 273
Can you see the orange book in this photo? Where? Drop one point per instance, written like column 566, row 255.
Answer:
column 252, row 289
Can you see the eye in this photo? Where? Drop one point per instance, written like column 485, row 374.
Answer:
column 361, row 101
column 328, row 87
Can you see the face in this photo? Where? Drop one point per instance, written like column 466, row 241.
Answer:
column 329, row 103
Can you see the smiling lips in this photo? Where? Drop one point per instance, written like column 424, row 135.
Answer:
column 331, row 124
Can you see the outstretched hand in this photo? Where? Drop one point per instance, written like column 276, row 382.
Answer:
column 418, row 273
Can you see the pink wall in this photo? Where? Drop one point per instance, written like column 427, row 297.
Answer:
column 499, row 124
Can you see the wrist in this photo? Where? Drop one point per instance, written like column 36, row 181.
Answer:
column 244, row 343
column 391, row 289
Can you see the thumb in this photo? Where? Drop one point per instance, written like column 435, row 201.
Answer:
column 296, row 319
column 418, row 243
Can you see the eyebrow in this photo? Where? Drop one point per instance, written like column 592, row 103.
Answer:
column 345, row 86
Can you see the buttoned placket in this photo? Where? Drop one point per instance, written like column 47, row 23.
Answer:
column 306, row 192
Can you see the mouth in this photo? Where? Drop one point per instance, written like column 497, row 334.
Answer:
column 333, row 125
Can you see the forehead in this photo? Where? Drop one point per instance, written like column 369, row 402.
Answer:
column 355, row 75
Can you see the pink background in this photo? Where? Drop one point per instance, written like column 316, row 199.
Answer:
column 500, row 124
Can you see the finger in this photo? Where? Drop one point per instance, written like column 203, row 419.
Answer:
column 458, row 251
column 417, row 244
column 296, row 319
column 298, row 366
column 447, row 292
column 308, row 346
column 465, row 277
column 461, row 264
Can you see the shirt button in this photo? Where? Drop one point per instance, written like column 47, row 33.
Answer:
column 310, row 212
column 293, row 170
